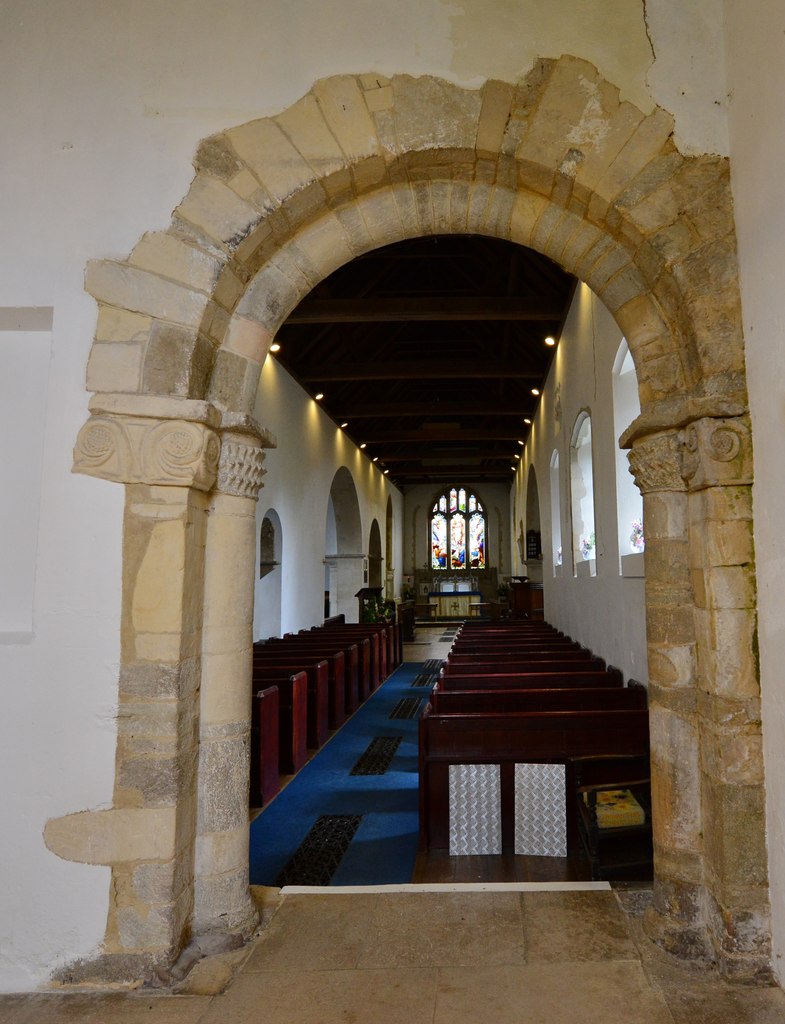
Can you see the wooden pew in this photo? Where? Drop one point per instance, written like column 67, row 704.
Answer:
column 460, row 646
column 336, row 675
column 265, row 759
column 529, row 680
column 482, row 701
column 356, row 660
column 508, row 739
column 534, row 658
column 375, row 661
column 292, row 719
column 509, row 666
column 265, row 668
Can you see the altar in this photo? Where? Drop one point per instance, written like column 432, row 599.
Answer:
column 454, row 604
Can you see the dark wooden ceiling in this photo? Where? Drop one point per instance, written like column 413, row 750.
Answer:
column 429, row 349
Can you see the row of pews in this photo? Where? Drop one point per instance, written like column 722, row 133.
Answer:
column 511, row 695
column 305, row 685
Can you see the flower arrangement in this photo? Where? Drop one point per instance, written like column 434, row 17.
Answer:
column 587, row 546
column 637, row 539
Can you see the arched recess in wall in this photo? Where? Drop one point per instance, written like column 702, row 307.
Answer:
column 344, row 558
column 267, row 596
column 276, row 205
column 389, row 552
column 584, row 546
column 375, row 556
column 629, row 501
column 533, row 528
column 556, row 553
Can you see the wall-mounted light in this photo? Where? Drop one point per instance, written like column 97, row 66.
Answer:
column 535, row 391
column 318, row 396
column 344, row 425
column 550, row 341
column 375, row 458
column 521, row 442
column 516, row 456
column 386, row 472
column 527, row 420
column 363, row 445
column 275, row 347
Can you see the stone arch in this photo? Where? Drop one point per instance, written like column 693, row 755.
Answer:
column 389, row 551
column 267, row 597
column 556, row 162
column 375, row 555
column 346, row 562
column 533, row 520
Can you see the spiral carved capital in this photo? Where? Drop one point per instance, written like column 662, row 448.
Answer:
column 717, row 452
column 130, row 450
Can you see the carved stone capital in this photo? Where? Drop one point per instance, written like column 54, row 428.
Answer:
column 716, row 453
column 240, row 469
column 138, row 450
column 655, row 462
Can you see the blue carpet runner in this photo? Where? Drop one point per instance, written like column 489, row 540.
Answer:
column 383, row 848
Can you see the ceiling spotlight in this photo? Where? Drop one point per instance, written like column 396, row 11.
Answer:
column 527, row 420
column 363, row 445
column 344, row 425
column 319, row 396
column 550, row 341
column 535, row 391
column 275, row 347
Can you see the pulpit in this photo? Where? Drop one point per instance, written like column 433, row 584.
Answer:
column 526, row 598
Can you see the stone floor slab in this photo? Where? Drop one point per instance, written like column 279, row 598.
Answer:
column 315, row 933
column 328, row 997
column 568, row 926
column 581, row 993
column 91, row 1008
column 445, row 929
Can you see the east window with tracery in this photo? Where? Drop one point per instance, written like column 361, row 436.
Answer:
column 457, row 531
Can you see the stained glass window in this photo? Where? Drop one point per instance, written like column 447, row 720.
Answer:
column 458, row 538
column 439, row 541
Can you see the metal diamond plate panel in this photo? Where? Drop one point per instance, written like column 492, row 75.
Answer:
column 475, row 809
column 540, row 810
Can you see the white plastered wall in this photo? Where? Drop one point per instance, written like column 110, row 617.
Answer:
column 605, row 612
column 300, row 471
column 105, row 105
column 756, row 72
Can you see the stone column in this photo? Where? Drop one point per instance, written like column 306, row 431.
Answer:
column 717, row 467
column 222, row 897
column 147, row 837
column 675, row 919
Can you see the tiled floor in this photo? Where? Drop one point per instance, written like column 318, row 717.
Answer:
column 506, row 957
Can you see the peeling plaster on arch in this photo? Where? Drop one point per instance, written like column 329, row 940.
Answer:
column 688, row 74
column 509, row 47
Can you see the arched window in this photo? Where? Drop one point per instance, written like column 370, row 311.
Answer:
column 582, row 493
column 458, row 537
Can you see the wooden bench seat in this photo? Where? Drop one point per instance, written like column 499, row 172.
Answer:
column 356, row 660
column 501, row 701
column 481, row 668
column 509, row 739
column 318, row 690
column 529, row 680
column 265, row 758
column 339, row 676
column 292, row 720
